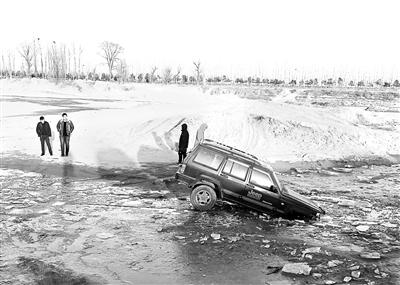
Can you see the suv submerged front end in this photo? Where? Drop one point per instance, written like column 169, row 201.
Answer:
column 299, row 205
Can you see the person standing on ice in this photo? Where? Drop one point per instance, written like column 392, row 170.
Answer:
column 43, row 131
column 183, row 144
column 65, row 127
column 200, row 134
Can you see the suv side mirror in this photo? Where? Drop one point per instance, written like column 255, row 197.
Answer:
column 272, row 188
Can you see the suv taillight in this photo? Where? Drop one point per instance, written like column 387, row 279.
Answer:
column 182, row 168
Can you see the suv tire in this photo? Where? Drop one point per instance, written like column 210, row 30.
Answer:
column 203, row 198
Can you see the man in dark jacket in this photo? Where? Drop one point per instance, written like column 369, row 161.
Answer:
column 43, row 131
column 65, row 127
column 183, row 143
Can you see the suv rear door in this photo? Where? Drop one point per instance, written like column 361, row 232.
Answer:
column 233, row 176
column 259, row 191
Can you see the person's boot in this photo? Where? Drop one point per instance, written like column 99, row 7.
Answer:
column 42, row 154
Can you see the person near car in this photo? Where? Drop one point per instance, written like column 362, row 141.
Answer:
column 43, row 131
column 200, row 134
column 65, row 127
column 183, row 144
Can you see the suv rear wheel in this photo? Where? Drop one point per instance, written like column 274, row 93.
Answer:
column 203, row 198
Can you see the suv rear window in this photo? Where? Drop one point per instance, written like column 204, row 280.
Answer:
column 236, row 169
column 209, row 158
column 261, row 179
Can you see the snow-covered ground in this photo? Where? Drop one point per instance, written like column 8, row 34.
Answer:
column 124, row 125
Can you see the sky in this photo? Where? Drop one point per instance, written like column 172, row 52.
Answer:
column 238, row 38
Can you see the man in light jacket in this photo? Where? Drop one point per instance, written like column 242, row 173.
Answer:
column 65, row 127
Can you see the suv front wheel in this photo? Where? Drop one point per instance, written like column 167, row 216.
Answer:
column 203, row 198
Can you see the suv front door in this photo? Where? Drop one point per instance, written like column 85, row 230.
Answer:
column 261, row 190
column 233, row 176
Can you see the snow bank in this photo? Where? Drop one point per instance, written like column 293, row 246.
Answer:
column 124, row 125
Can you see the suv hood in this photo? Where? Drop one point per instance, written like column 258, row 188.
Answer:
column 297, row 198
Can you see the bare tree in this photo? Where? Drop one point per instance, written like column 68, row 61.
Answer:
column 35, row 57
column 52, row 60
column 2, row 66
column 176, row 77
column 80, row 51
column 111, row 52
column 197, row 71
column 153, row 73
column 122, row 69
column 11, row 63
column 167, row 75
column 62, row 60
column 46, row 66
column 69, row 61
column 41, row 56
column 56, row 61
column 26, row 52
column 74, row 52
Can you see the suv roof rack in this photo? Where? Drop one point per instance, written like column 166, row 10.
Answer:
column 234, row 150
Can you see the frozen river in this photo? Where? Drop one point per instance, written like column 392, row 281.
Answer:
column 137, row 226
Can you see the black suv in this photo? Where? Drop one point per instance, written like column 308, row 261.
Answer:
column 217, row 171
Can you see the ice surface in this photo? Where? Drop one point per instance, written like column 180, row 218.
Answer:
column 124, row 125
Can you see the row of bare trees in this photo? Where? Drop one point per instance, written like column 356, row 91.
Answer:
column 61, row 61
column 64, row 62
column 111, row 52
column 53, row 61
column 330, row 82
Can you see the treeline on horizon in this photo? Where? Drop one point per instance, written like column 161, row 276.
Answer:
column 57, row 61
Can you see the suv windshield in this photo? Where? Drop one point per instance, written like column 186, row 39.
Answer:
column 261, row 179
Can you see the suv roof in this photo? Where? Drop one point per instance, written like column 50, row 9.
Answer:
column 231, row 150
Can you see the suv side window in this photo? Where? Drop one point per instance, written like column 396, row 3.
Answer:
column 209, row 158
column 236, row 169
column 261, row 179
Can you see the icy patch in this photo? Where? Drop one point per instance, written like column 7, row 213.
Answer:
column 31, row 174
column 9, row 172
column 132, row 203
column 104, row 235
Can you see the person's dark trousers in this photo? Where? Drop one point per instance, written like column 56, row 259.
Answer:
column 64, row 141
column 45, row 139
column 182, row 155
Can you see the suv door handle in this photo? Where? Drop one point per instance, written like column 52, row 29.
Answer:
column 250, row 186
column 224, row 175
